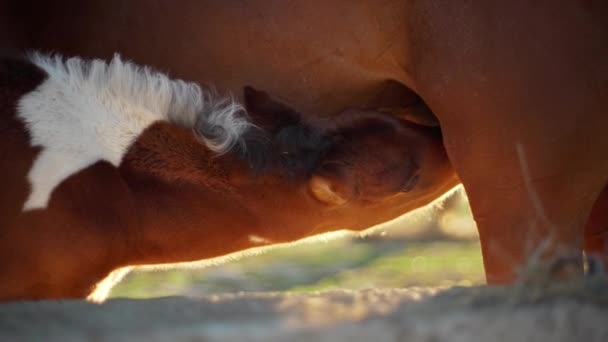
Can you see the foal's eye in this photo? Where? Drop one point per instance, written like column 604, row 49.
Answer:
column 410, row 184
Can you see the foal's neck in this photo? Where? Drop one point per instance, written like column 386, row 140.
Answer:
column 189, row 208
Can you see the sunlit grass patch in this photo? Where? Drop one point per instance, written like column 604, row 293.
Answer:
column 344, row 263
column 418, row 264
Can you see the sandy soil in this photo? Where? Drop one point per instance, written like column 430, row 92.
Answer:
column 575, row 311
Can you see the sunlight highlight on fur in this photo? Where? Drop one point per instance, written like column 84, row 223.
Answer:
column 103, row 288
column 322, row 238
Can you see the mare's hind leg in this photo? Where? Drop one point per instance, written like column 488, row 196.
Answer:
column 596, row 230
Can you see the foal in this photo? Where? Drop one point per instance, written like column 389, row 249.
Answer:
column 110, row 165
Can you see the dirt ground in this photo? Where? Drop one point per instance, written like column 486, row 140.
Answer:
column 576, row 311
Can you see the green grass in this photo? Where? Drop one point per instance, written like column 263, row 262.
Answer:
column 419, row 264
column 344, row 263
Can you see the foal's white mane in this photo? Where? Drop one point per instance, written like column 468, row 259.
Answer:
column 86, row 111
column 119, row 84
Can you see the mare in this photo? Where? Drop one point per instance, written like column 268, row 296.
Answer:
column 108, row 165
column 518, row 87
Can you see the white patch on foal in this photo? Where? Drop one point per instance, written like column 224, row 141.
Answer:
column 86, row 111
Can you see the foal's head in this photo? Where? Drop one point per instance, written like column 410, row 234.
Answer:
column 353, row 170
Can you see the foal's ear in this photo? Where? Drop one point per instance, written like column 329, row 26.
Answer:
column 266, row 112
